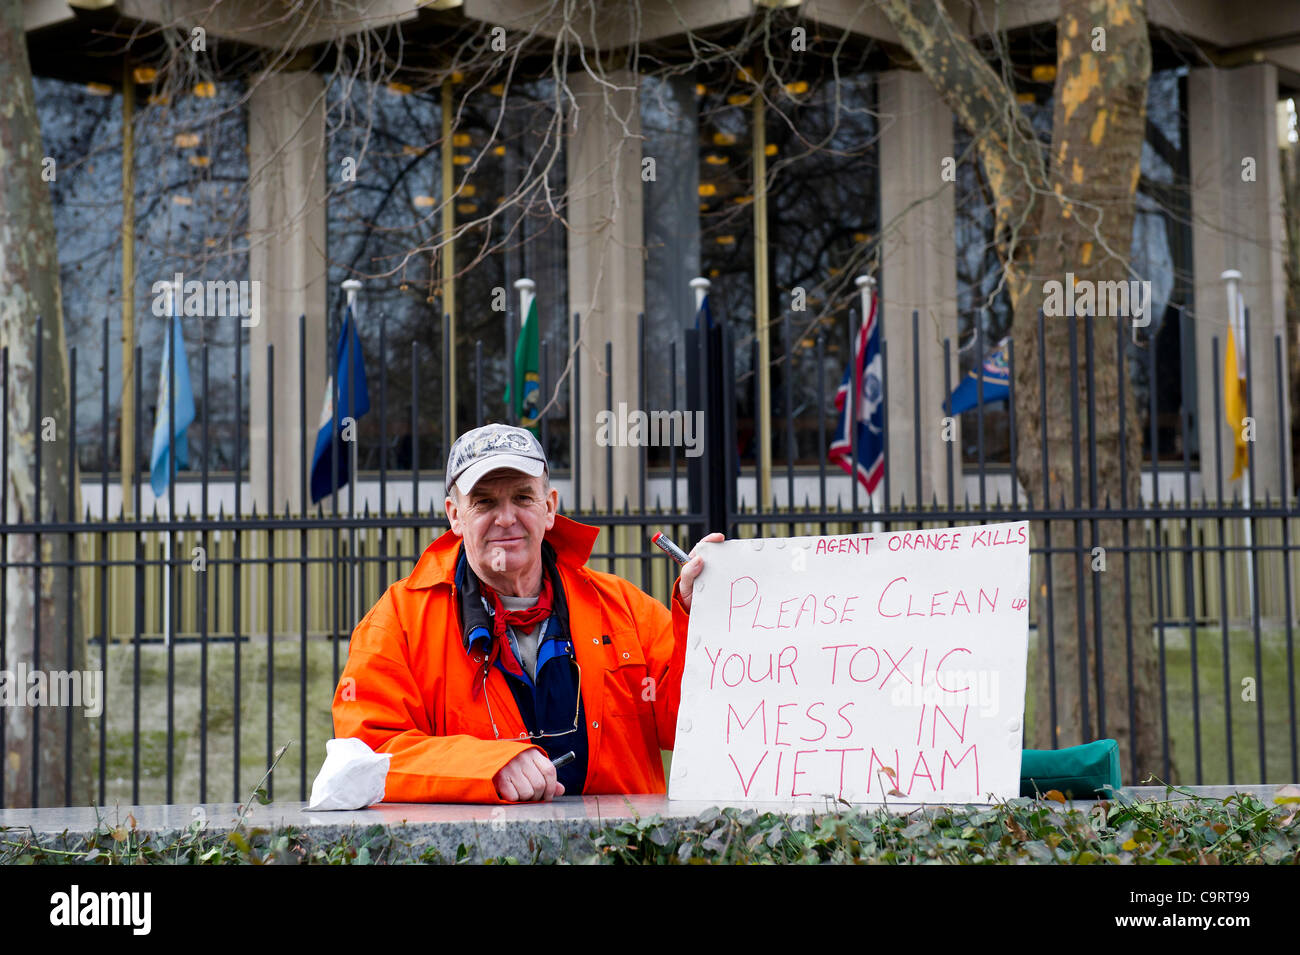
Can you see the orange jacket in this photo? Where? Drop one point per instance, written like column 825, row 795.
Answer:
column 407, row 688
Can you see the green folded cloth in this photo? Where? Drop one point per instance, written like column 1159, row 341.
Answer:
column 1090, row 771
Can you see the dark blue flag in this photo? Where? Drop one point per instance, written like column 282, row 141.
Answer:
column 347, row 384
column 997, row 382
column 703, row 315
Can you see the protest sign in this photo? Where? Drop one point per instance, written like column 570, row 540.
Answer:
column 864, row 668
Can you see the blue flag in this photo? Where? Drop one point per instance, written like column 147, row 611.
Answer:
column 167, row 441
column 865, row 369
column 350, row 377
column 703, row 315
column 997, row 382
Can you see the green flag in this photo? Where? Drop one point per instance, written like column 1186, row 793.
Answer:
column 527, row 383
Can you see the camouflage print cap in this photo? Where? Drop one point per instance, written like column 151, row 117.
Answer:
column 490, row 447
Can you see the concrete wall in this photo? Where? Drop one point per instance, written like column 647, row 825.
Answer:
column 919, row 271
column 286, row 134
column 606, row 264
column 1237, row 224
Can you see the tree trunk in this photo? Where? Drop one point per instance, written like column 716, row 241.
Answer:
column 37, row 614
column 1072, row 213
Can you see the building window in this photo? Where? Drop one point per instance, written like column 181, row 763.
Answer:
column 191, row 217
column 384, row 228
column 818, row 151
column 1160, row 253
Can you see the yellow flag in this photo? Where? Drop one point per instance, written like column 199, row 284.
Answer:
column 1234, row 407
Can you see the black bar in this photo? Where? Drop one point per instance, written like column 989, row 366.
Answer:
column 304, row 465
column 478, row 384
column 448, row 401
column 979, row 406
column 609, row 453
column 575, row 420
column 852, row 410
column 543, row 389
column 1223, row 557
column 1011, row 415
column 175, row 348
column 354, row 479
column 203, row 594
column 789, row 410
column 270, row 565
column 641, row 451
column 139, row 587
column 415, row 430
column 1080, row 605
column 71, row 597
column 884, row 420
column 1047, row 534
column 1155, row 539
column 1286, row 554
column 103, row 576
column 36, row 570
column 383, row 441
column 1254, row 558
column 821, row 426
column 1189, row 601
column 672, row 399
column 236, row 584
column 952, row 423
column 510, row 361
column 916, row 406
column 1093, row 503
column 1122, row 365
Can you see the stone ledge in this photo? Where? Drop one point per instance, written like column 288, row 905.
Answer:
column 523, row 831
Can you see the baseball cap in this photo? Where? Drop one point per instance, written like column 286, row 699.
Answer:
column 490, row 447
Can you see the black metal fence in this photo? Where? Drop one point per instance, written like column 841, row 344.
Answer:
column 220, row 632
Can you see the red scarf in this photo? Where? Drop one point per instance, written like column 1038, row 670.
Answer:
column 519, row 619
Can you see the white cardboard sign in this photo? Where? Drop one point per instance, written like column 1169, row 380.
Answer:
column 815, row 664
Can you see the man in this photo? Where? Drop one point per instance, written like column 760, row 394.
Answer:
column 503, row 652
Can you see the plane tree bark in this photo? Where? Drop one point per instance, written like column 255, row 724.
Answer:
column 40, row 625
column 1068, row 206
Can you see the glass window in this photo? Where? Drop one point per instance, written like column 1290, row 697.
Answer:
column 1160, row 253
column 191, row 217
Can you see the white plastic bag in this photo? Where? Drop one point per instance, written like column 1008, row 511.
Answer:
column 352, row 776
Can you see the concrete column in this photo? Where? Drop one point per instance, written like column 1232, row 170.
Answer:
column 286, row 140
column 919, row 271
column 1237, row 224
column 606, row 267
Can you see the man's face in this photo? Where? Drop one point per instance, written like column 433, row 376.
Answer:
column 502, row 521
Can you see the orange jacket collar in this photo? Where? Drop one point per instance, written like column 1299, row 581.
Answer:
column 437, row 565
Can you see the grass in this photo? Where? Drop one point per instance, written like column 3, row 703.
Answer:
column 1270, row 702
column 254, row 756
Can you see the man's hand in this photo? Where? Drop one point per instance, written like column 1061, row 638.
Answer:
column 691, row 569
column 528, row 777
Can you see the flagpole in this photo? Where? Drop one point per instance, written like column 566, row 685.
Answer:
column 866, row 290
column 700, row 286
column 1236, row 319
column 173, row 297
column 525, row 289
column 350, row 289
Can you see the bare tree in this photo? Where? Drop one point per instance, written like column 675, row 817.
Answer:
column 1069, row 208
column 41, row 628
